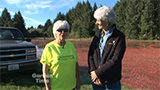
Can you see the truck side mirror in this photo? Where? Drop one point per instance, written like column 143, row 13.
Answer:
column 28, row 40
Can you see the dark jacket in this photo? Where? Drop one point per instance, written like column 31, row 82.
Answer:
column 109, row 69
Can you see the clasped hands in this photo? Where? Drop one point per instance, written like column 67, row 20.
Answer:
column 95, row 78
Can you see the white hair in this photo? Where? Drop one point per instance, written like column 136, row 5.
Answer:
column 105, row 13
column 58, row 24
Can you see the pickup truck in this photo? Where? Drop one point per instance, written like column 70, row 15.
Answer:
column 16, row 53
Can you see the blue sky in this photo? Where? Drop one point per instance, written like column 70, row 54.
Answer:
column 37, row 12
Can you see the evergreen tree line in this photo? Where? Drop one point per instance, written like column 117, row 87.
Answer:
column 17, row 21
column 80, row 19
column 138, row 19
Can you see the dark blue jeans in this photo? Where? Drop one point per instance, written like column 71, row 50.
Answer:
column 114, row 86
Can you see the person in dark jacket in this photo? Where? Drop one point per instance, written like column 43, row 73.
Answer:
column 106, row 51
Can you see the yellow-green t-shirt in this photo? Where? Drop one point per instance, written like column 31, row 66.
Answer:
column 62, row 64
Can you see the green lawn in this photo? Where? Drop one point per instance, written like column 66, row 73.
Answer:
column 28, row 81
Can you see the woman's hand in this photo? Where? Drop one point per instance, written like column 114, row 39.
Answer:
column 78, row 86
column 97, row 82
column 95, row 78
column 45, row 70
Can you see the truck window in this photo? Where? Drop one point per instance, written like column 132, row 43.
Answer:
column 10, row 35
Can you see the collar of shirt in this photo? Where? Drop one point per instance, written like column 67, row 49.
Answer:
column 108, row 34
column 103, row 41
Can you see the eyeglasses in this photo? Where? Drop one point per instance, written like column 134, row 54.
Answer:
column 60, row 30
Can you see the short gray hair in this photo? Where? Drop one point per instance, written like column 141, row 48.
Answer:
column 58, row 24
column 105, row 13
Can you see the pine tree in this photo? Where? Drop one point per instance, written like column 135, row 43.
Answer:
column 40, row 26
column 94, row 20
column 138, row 19
column 156, row 18
column 5, row 19
column 47, row 24
column 94, row 7
column 131, row 22
column 147, row 21
column 120, row 9
column 60, row 16
column 50, row 31
column 20, row 23
column 87, row 20
column 82, row 23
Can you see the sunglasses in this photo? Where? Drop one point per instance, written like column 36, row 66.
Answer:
column 60, row 30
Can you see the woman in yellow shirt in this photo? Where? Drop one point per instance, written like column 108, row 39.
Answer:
column 59, row 58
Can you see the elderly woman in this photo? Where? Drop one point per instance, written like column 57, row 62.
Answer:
column 106, row 51
column 59, row 59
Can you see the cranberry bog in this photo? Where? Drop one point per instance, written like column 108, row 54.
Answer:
column 140, row 64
